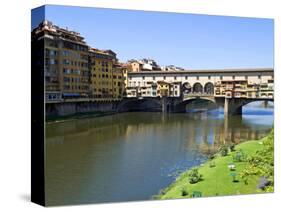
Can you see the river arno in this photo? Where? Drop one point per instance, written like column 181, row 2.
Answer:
column 131, row 156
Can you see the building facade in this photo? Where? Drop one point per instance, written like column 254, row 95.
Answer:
column 118, row 75
column 101, row 66
column 73, row 70
column 66, row 62
column 238, row 83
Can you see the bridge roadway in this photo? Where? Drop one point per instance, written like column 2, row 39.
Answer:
column 231, row 106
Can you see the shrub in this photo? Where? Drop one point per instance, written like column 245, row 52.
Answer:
column 211, row 156
column 194, row 176
column 262, row 164
column 212, row 164
column 162, row 191
column 239, row 156
column 223, row 150
column 232, row 147
column 184, row 192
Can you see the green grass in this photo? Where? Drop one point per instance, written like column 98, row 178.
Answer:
column 217, row 181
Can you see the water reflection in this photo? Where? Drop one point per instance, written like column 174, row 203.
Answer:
column 131, row 156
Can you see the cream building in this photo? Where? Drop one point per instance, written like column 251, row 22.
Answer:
column 248, row 83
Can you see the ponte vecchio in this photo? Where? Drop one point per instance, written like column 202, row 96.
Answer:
column 231, row 88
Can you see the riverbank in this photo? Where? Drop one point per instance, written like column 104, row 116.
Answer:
column 225, row 175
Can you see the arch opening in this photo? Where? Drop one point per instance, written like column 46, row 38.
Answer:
column 196, row 105
column 197, row 88
column 140, row 105
column 209, row 88
column 186, row 88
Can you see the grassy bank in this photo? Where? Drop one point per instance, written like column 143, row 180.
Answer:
column 77, row 116
column 217, row 179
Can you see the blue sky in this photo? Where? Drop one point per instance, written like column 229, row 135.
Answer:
column 186, row 40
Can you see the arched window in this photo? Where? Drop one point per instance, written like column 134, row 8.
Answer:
column 186, row 88
column 197, row 88
column 209, row 88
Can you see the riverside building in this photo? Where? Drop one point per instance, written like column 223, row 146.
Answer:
column 75, row 71
column 66, row 62
column 238, row 83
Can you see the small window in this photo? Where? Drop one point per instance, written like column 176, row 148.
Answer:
column 259, row 76
column 197, row 77
column 175, row 78
column 143, row 77
column 246, row 77
column 209, row 77
column 164, row 77
column 153, row 78
column 221, row 77
column 233, row 77
column 186, row 77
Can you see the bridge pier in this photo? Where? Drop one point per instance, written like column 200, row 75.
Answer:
column 164, row 104
column 232, row 107
column 265, row 104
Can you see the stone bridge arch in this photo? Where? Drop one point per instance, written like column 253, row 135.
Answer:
column 139, row 104
column 180, row 107
column 234, row 106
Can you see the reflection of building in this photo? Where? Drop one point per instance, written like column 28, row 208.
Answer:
column 66, row 61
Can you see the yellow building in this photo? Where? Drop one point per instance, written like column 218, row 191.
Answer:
column 107, row 81
column 163, row 88
column 118, row 73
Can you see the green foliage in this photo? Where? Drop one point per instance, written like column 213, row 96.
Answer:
column 184, row 192
column 232, row 147
column 239, row 156
column 223, row 150
column 211, row 156
column 212, row 164
column 262, row 163
column 218, row 181
column 194, row 176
